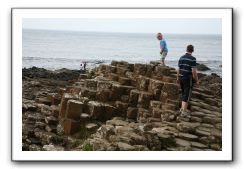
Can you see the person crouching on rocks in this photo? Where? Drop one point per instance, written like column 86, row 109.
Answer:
column 83, row 66
column 186, row 77
column 163, row 48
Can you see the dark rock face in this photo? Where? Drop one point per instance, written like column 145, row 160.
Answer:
column 202, row 67
column 214, row 83
column 123, row 107
column 61, row 74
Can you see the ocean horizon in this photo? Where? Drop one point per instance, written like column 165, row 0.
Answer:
column 67, row 49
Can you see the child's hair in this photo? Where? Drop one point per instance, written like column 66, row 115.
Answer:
column 159, row 34
column 190, row 48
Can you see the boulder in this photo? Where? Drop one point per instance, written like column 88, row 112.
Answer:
column 168, row 115
column 115, row 122
column 202, row 67
column 51, row 120
column 121, row 71
column 105, row 131
column 155, row 104
column 55, row 110
column 103, row 95
column 114, row 62
column 198, row 145
column 124, row 81
column 135, row 139
column 125, row 147
column 182, row 143
column 43, row 100
column 52, row 148
column 144, row 113
column 167, row 140
column 188, row 136
column 150, row 69
column 51, row 128
column 156, row 112
column 113, row 77
column 172, row 90
column 134, row 95
column 101, row 111
column 34, row 147
column 74, row 109
column 142, row 83
column 121, row 108
column 91, row 84
column 153, row 142
column 125, row 98
column 89, row 93
column 162, row 71
column 187, row 127
column 84, row 118
column 155, row 84
column 95, row 109
column 116, row 91
column 55, row 98
column 65, row 98
column 132, row 113
column 103, row 85
column 83, row 76
column 91, row 127
column 140, row 69
column 110, row 69
column 144, row 99
column 71, row 126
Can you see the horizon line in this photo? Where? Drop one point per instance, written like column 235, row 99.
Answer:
column 65, row 30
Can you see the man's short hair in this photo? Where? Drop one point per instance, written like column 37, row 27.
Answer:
column 190, row 48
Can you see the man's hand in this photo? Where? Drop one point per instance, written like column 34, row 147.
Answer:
column 178, row 82
column 161, row 52
column 197, row 83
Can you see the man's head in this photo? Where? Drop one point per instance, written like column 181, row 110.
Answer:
column 190, row 48
column 159, row 36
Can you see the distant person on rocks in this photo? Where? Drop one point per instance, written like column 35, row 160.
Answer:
column 83, row 66
column 163, row 48
column 186, row 77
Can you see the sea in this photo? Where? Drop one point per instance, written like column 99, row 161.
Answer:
column 53, row 50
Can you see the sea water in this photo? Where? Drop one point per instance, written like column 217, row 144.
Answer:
column 67, row 49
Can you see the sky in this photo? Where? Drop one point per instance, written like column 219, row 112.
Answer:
column 172, row 26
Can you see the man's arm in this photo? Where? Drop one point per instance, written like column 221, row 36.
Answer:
column 194, row 74
column 178, row 75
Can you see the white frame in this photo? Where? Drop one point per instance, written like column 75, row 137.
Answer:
column 225, row 155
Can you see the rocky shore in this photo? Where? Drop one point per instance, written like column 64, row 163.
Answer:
column 118, row 107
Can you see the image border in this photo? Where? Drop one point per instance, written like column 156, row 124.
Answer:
column 13, row 158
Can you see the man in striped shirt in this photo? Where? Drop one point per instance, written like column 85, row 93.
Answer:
column 186, row 76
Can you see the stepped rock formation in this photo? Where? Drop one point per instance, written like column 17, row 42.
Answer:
column 124, row 107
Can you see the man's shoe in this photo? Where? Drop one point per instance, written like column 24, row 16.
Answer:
column 185, row 114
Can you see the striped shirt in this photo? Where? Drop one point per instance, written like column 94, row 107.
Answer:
column 185, row 64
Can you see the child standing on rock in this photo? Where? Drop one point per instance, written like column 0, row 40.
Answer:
column 163, row 48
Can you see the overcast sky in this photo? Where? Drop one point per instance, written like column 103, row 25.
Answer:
column 175, row 26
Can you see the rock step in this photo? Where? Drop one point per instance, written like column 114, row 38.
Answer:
column 204, row 91
column 209, row 101
column 189, row 145
column 188, row 136
column 199, row 112
column 80, row 83
column 200, row 95
column 203, row 105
